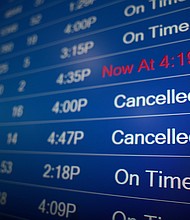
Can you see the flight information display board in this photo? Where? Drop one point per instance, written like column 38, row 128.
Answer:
column 94, row 109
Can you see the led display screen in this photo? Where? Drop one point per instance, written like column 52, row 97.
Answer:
column 94, row 109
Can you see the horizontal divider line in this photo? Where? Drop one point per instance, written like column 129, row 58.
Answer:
column 37, row 95
column 89, row 119
column 92, row 193
column 90, row 59
column 90, row 154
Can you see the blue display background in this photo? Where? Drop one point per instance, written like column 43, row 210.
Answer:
column 157, row 65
